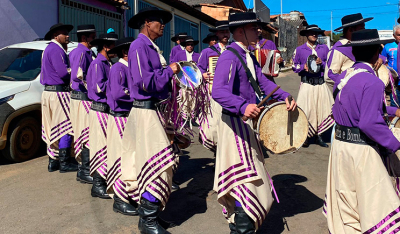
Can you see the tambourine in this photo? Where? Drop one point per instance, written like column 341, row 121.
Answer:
column 190, row 76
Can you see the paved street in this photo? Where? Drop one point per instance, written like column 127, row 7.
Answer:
column 36, row 201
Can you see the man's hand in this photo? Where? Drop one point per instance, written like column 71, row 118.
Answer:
column 305, row 67
column 378, row 64
column 319, row 61
column 175, row 68
column 207, row 76
column 290, row 106
column 398, row 112
column 280, row 60
column 252, row 111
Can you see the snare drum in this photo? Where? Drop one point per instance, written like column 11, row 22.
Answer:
column 189, row 77
column 277, row 133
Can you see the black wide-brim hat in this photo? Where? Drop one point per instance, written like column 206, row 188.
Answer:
column 86, row 28
column 105, row 37
column 144, row 13
column 208, row 38
column 242, row 18
column 366, row 37
column 220, row 26
column 352, row 20
column 178, row 36
column 312, row 28
column 120, row 44
column 189, row 39
column 56, row 27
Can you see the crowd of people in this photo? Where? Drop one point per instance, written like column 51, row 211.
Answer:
column 102, row 119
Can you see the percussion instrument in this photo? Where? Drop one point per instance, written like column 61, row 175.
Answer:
column 280, row 134
column 268, row 61
column 189, row 77
column 312, row 65
column 392, row 161
column 389, row 77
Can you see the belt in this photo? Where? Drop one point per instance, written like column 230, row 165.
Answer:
column 99, row 106
column 78, row 95
column 145, row 104
column 224, row 111
column 352, row 135
column 313, row 80
column 119, row 114
column 56, row 88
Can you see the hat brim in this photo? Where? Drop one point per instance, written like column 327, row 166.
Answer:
column 208, row 39
column 233, row 25
column 97, row 41
column 137, row 19
column 118, row 48
column 218, row 29
column 367, row 43
column 303, row 32
column 194, row 42
column 175, row 38
column 48, row 35
column 354, row 24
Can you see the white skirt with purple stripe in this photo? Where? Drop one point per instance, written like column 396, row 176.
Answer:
column 98, row 142
column 80, row 124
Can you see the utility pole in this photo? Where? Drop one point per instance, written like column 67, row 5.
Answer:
column 282, row 8
column 254, row 6
column 331, row 26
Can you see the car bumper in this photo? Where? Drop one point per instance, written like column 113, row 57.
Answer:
column 5, row 111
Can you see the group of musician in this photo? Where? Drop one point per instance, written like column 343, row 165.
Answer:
column 107, row 117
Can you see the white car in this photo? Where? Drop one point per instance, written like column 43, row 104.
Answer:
column 20, row 95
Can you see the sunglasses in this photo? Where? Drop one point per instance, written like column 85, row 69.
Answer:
column 155, row 18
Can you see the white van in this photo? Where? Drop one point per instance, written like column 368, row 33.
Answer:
column 20, row 95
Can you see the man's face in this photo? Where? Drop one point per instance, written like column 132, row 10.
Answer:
column 251, row 32
column 189, row 47
column 312, row 36
column 108, row 48
column 397, row 35
column 90, row 38
column 62, row 36
column 359, row 27
column 178, row 41
column 223, row 36
column 213, row 41
column 156, row 26
column 259, row 31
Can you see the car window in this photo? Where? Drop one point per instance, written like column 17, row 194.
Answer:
column 20, row 64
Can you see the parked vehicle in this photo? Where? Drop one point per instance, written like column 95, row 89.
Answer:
column 20, row 96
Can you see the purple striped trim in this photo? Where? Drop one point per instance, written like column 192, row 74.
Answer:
column 61, row 134
column 121, row 189
column 163, row 191
column 120, row 122
column 56, row 125
column 246, row 206
column 114, row 174
column 168, row 159
column 383, row 221
column 87, row 105
column 169, row 147
column 64, row 104
column 60, row 128
column 163, row 198
column 102, row 122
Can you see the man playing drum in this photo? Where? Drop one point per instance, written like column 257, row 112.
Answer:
column 314, row 97
column 56, row 122
column 241, row 180
column 208, row 129
column 145, row 139
column 360, row 196
column 188, row 54
column 80, row 59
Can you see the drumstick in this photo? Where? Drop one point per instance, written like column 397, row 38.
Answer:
column 289, row 124
column 244, row 118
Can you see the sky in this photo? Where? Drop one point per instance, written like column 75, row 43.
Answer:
column 385, row 12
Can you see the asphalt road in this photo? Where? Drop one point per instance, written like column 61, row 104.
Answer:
column 33, row 200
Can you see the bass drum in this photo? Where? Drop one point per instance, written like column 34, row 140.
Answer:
column 282, row 131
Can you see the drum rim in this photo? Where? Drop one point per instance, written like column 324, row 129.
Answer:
column 262, row 115
column 181, row 64
column 393, row 122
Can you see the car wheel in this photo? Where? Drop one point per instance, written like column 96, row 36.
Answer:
column 24, row 140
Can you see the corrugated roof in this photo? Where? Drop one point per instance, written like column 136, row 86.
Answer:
column 198, row 2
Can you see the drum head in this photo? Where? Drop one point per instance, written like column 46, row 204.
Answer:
column 190, row 76
column 383, row 74
column 313, row 67
column 279, row 135
column 395, row 123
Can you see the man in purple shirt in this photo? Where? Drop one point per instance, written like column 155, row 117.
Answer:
column 97, row 81
column 178, row 38
column 188, row 54
column 360, row 196
column 56, row 123
column 211, row 39
column 145, row 138
column 314, row 97
column 119, row 166
column 241, row 180
column 80, row 59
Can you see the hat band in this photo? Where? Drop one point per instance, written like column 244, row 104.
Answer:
column 190, row 40
column 351, row 23
column 109, row 38
column 221, row 26
column 86, row 30
column 313, row 28
column 243, row 22
column 365, row 41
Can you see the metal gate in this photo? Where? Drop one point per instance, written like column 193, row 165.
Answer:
column 76, row 13
column 192, row 29
column 204, row 32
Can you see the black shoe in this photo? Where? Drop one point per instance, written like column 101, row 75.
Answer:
column 83, row 174
column 175, row 186
column 306, row 144
column 99, row 188
column 244, row 224
column 232, row 227
column 320, row 142
column 124, row 208
column 54, row 165
column 148, row 222
column 66, row 162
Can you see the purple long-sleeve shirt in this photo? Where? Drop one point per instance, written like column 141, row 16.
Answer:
column 80, row 59
column 300, row 57
column 174, row 51
column 148, row 78
column 205, row 54
column 181, row 56
column 118, row 97
column 97, row 79
column 360, row 105
column 268, row 45
column 232, row 89
column 55, row 65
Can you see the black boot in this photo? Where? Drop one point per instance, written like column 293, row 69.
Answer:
column 148, row 213
column 66, row 162
column 54, row 165
column 99, row 188
column 244, row 224
column 232, row 227
column 306, row 144
column 124, row 208
column 175, row 185
column 83, row 174
column 320, row 142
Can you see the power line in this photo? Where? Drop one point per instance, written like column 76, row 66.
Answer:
column 343, row 9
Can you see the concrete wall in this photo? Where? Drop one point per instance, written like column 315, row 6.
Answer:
column 287, row 38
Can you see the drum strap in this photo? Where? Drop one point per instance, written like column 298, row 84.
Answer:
column 261, row 46
column 215, row 49
column 253, row 81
